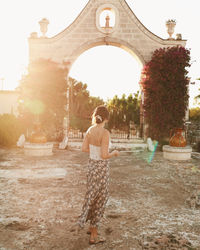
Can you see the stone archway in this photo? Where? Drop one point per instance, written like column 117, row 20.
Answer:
column 115, row 43
column 86, row 32
column 109, row 41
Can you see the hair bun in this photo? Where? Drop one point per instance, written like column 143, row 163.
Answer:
column 100, row 114
column 98, row 119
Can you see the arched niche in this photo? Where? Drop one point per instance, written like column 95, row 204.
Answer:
column 104, row 24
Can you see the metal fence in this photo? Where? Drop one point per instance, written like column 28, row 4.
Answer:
column 115, row 134
column 75, row 134
column 193, row 133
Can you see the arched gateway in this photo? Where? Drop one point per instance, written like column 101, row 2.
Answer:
column 101, row 22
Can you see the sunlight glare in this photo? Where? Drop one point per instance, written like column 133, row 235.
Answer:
column 36, row 107
column 107, row 70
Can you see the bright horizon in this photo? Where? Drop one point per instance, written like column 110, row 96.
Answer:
column 19, row 18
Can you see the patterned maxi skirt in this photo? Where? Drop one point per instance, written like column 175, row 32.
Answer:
column 97, row 192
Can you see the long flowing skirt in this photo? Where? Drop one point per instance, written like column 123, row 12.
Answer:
column 97, row 192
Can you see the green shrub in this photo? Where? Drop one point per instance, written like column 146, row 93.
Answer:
column 195, row 114
column 10, row 130
column 79, row 123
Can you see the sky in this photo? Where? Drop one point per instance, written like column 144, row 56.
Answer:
column 107, row 70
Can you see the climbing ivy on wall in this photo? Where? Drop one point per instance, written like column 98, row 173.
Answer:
column 165, row 85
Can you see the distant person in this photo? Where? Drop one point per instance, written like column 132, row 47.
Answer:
column 96, row 143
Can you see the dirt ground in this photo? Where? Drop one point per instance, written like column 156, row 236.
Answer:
column 40, row 199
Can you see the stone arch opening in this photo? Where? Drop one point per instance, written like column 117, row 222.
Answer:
column 119, row 44
column 109, row 42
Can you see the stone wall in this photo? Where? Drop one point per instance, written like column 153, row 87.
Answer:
column 129, row 34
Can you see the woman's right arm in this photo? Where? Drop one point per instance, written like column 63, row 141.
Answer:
column 85, row 145
column 105, row 147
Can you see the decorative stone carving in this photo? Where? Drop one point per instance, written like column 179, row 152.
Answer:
column 107, row 21
column 151, row 145
column 43, row 26
column 63, row 144
column 170, row 24
column 21, row 141
column 107, row 28
column 178, row 36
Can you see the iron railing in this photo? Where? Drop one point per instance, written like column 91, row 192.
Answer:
column 76, row 134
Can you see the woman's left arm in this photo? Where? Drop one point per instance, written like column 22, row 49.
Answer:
column 85, row 145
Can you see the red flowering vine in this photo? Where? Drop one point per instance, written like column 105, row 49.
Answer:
column 165, row 85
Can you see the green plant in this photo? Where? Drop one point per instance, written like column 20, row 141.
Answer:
column 43, row 95
column 81, row 105
column 195, row 114
column 123, row 111
column 11, row 128
column 79, row 123
column 171, row 21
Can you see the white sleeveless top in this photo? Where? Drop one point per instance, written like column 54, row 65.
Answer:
column 95, row 152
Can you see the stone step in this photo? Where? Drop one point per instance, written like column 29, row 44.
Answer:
column 136, row 145
column 119, row 146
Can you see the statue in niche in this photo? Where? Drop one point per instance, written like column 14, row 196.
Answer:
column 107, row 21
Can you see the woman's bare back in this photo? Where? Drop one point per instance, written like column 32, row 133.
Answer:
column 95, row 135
column 100, row 137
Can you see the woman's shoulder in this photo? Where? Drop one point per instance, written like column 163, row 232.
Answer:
column 89, row 129
column 93, row 128
column 106, row 132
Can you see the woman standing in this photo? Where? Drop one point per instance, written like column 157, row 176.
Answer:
column 96, row 143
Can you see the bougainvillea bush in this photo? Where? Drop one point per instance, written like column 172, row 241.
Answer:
column 165, row 85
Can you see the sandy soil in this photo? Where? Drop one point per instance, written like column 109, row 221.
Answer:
column 40, row 199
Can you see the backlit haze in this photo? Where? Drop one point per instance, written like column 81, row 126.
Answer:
column 107, row 70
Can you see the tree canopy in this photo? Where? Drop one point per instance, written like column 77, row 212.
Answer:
column 43, row 94
column 123, row 111
column 82, row 105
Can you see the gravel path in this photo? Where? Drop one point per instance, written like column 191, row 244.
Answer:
column 148, row 208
